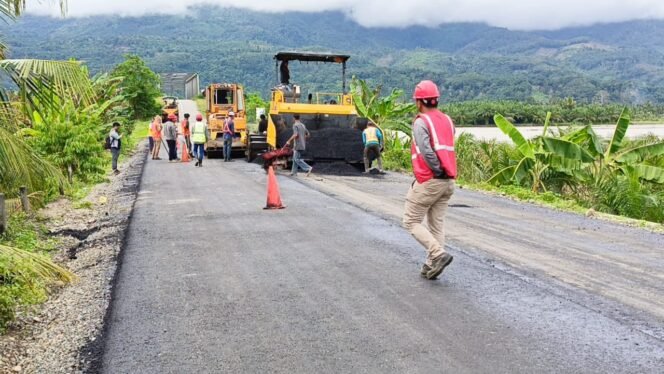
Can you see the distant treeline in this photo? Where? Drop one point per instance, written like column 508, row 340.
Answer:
column 564, row 111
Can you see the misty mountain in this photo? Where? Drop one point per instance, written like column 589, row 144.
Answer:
column 621, row 62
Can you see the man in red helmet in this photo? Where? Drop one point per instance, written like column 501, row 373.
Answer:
column 171, row 135
column 434, row 166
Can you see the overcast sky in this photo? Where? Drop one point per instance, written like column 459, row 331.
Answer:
column 513, row 14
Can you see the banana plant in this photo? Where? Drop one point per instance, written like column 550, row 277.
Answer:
column 387, row 112
column 538, row 156
column 614, row 157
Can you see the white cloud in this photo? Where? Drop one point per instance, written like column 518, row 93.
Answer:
column 513, row 14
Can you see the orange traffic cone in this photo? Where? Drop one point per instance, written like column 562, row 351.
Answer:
column 185, row 153
column 273, row 195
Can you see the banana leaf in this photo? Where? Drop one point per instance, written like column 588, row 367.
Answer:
column 567, row 149
column 619, row 133
column 640, row 153
column 546, row 123
column 503, row 175
column 510, row 130
column 648, row 172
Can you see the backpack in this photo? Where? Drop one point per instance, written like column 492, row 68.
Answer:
column 107, row 142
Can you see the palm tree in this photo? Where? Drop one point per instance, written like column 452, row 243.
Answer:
column 36, row 86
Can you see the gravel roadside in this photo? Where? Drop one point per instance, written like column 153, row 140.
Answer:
column 64, row 334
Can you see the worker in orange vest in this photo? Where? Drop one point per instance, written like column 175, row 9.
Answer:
column 186, row 132
column 156, row 136
column 434, row 166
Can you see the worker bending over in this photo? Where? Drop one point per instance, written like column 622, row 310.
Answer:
column 372, row 138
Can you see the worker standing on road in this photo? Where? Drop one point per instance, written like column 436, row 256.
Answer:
column 434, row 166
column 170, row 135
column 156, row 135
column 116, row 144
column 200, row 135
column 372, row 138
column 186, row 132
column 229, row 133
column 299, row 137
column 150, row 133
column 262, row 125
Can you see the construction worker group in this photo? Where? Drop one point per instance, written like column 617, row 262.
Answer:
column 189, row 138
column 432, row 154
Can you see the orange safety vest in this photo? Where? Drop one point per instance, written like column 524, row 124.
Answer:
column 156, row 130
column 441, row 135
column 185, row 130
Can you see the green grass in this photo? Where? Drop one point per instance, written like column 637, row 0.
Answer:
column 397, row 160
column 201, row 103
column 83, row 205
column 141, row 131
column 26, row 271
column 24, row 233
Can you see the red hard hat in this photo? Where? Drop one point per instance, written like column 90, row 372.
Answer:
column 172, row 117
column 199, row 117
column 426, row 90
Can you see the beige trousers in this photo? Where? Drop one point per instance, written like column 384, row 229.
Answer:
column 428, row 199
column 157, row 147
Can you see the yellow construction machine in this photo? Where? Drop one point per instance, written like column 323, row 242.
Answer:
column 170, row 107
column 330, row 117
column 223, row 98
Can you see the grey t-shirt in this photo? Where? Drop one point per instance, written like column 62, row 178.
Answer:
column 423, row 142
column 301, row 140
column 170, row 132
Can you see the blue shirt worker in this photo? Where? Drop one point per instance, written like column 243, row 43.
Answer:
column 372, row 138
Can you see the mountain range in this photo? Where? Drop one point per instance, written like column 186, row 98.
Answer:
column 620, row 62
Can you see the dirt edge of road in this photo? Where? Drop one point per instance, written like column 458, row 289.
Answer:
column 65, row 334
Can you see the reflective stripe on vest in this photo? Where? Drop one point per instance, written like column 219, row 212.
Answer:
column 199, row 133
column 371, row 135
column 441, row 131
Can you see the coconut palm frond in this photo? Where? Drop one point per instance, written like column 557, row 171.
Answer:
column 19, row 164
column 13, row 8
column 42, row 81
column 39, row 264
column 3, row 50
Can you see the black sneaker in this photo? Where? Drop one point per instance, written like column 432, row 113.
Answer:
column 425, row 269
column 439, row 265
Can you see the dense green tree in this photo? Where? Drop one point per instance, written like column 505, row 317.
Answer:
column 253, row 101
column 140, row 86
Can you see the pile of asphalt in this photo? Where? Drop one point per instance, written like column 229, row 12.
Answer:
column 331, row 143
column 337, row 168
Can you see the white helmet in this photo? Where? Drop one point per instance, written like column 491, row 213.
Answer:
column 231, row 114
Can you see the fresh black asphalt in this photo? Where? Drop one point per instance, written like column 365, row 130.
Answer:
column 210, row 283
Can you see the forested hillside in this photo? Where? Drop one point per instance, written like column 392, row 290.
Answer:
column 603, row 63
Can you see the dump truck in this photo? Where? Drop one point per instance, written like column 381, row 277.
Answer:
column 170, row 107
column 221, row 99
column 330, row 117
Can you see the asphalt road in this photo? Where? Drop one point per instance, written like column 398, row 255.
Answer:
column 189, row 106
column 210, row 282
column 611, row 268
